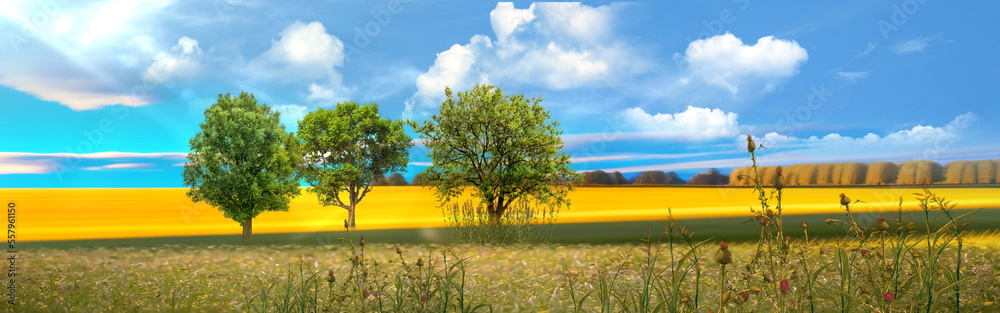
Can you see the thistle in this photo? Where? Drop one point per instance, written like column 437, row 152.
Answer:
column 723, row 256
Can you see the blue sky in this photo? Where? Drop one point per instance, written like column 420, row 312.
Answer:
column 107, row 93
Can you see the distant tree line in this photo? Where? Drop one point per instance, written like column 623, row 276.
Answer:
column 602, row 178
column 877, row 173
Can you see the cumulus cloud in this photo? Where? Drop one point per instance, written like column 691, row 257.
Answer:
column 180, row 63
column 551, row 45
column 692, row 124
column 304, row 55
column 918, row 142
column 725, row 62
column 912, row 46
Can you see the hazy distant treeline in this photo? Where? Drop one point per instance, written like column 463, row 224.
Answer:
column 710, row 177
column 877, row 173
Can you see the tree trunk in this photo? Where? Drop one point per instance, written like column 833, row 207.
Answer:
column 247, row 229
column 350, row 218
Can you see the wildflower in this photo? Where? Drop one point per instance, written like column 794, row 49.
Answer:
column 750, row 144
column 726, row 296
column 755, row 289
column 770, row 213
column 362, row 242
column 784, row 286
column 723, row 256
column 364, row 293
column 744, row 295
column 882, row 225
column 330, row 278
column 829, row 221
column 804, row 226
column 345, row 224
column 844, row 200
column 420, row 262
column 398, row 251
column 889, row 296
column 423, row 298
column 764, row 221
column 767, row 277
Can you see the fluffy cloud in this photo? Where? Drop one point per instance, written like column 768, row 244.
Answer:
column 725, row 62
column 551, row 45
column 918, row 142
column 304, row 55
column 181, row 63
column 692, row 124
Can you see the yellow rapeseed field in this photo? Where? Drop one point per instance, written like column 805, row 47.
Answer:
column 61, row 214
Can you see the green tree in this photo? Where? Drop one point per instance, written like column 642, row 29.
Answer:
column 347, row 149
column 504, row 146
column 242, row 161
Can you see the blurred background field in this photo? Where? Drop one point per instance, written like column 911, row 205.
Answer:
column 101, row 217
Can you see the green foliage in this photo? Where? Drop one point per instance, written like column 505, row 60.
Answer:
column 504, row 146
column 347, row 149
column 242, row 161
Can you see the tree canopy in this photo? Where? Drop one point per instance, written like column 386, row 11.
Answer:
column 347, row 149
column 506, row 147
column 242, row 161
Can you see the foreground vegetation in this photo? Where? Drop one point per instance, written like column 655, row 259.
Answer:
column 559, row 278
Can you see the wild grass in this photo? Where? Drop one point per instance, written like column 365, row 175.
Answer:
column 903, row 261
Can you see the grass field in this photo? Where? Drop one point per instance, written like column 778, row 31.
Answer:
column 553, row 278
column 72, row 214
column 141, row 250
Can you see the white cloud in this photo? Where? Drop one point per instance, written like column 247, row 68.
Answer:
column 304, row 55
column 912, row 46
column 916, row 142
column 79, row 54
column 724, row 61
column 42, row 163
column 693, row 124
column 852, row 77
column 118, row 166
column 181, row 63
column 550, row 45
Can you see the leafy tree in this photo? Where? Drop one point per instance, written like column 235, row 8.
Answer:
column 242, row 161
column 710, row 177
column 396, row 179
column 418, row 180
column 504, row 146
column 347, row 149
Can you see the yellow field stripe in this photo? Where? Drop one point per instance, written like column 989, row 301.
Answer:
column 66, row 214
